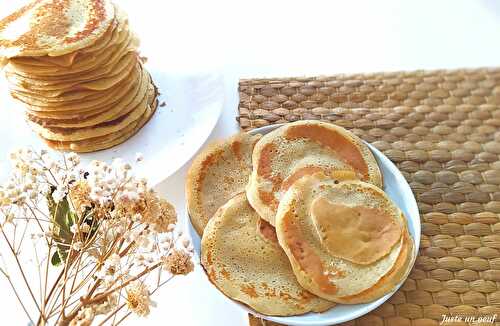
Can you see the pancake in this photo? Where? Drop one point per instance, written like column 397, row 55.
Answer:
column 75, row 67
column 301, row 148
column 23, row 84
column 67, row 97
column 48, row 99
column 126, row 94
column 81, row 62
column 242, row 258
column 109, row 140
column 217, row 174
column 67, row 60
column 112, row 35
column 42, row 28
column 346, row 240
column 105, row 82
column 48, row 83
column 122, row 107
column 109, row 38
column 109, row 56
column 92, row 103
column 101, row 129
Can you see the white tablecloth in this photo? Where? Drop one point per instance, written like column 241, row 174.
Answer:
column 291, row 38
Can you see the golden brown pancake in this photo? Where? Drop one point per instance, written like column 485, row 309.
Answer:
column 115, row 111
column 244, row 260
column 112, row 37
column 80, row 93
column 90, row 104
column 346, row 240
column 109, row 38
column 42, row 28
column 302, row 148
column 126, row 94
column 217, row 174
column 109, row 56
column 126, row 63
column 49, row 83
column 101, row 129
column 83, row 89
column 109, row 140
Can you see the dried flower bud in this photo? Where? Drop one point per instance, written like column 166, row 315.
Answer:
column 185, row 242
column 85, row 228
column 77, row 246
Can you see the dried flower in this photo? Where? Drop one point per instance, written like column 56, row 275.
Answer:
column 106, row 227
column 85, row 228
column 178, row 262
column 73, row 158
column 77, row 246
column 79, row 194
column 85, row 317
column 138, row 299
column 58, row 195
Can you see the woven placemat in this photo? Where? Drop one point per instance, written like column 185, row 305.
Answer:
column 442, row 129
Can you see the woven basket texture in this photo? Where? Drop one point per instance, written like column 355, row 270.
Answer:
column 442, row 129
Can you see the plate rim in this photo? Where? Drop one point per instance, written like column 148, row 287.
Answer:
column 158, row 178
column 414, row 215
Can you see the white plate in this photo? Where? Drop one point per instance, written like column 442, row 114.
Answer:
column 399, row 191
column 174, row 134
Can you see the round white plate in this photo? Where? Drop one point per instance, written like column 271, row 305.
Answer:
column 399, row 191
column 172, row 136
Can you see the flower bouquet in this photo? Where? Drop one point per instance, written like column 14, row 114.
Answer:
column 85, row 245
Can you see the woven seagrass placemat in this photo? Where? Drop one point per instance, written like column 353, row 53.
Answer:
column 442, row 129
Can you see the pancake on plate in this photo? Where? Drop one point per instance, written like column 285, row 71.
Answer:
column 346, row 240
column 216, row 175
column 243, row 259
column 42, row 28
column 75, row 66
column 109, row 140
column 301, row 148
column 84, row 119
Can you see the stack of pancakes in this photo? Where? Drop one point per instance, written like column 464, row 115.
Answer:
column 74, row 65
column 297, row 220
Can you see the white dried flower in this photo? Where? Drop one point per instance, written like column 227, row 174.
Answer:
column 124, row 216
column 45, row 188
column 77, row 246
column 73, row 158
column 185, row 242
column 85, row 228
column 58, row 195
column 113, row 261
column 138, row 298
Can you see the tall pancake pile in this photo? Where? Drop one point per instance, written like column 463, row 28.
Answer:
column 312, row 227
column 74, row 65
